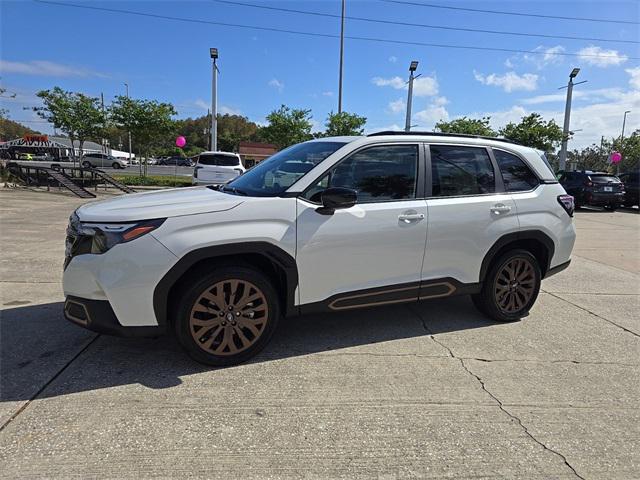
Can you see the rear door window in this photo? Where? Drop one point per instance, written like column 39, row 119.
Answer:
column 458, row 171
column 517, row 176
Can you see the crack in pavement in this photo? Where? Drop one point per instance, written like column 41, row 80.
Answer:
column 49, row 382
column 496, row 399
column 593, row 313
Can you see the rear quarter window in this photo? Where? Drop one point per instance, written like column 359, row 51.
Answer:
column 517, row 176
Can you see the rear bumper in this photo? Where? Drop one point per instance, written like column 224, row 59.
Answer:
column 591, row 198
column 557, row 269
column 99, row 317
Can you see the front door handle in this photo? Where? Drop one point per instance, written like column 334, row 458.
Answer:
column 411, row 216
column 500, row 208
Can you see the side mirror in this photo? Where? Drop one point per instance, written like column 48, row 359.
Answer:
column 336, row 198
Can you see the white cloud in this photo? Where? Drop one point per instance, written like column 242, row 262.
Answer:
column 200, row 103
column 393, row 59
column 423, row 86
column 434, row 112
column 45, row 68
column 634, row 81
column 397, row 106
column 588, row 95
column 225, row 110
column 547, row 56
column 600, row 57
column 510, row 81
column 277, row 84
column 508, row 63
column 327, row 94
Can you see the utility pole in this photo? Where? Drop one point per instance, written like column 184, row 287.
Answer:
column 567, row 119
column 129, row 133
column 213, row 52
column 412, row 69
column 341, row 58
column 104, row 122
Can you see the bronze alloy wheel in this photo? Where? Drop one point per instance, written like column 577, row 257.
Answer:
column 515, row 285
column 228, row 317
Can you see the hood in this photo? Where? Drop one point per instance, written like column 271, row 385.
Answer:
column 158, row 204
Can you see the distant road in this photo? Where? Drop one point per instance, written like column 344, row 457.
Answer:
column 131, row 170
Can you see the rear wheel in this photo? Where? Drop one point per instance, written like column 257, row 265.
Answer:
column 228, row 316
column 86, row 164
column 510, row 288
column 116, row 165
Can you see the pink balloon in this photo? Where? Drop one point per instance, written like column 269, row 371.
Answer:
column 181, row 141
column 616, row 157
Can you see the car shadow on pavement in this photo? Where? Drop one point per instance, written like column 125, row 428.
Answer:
column 43, row 354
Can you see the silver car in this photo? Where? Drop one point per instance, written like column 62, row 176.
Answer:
column 101, row 160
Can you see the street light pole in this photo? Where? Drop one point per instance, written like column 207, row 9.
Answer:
column 129, row 133
column 412, row 69
column 624, row 121
column 213, row 52
column 341, row 58
column 567, row 119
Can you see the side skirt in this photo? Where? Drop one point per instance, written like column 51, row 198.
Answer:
column 391, row 294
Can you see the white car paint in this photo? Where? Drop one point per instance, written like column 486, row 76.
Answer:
column 215, row 168
column 364, row 246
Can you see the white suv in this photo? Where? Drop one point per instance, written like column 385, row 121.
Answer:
column 215, row 168
column 375, row 220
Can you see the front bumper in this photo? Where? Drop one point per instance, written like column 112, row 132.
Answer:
column 99, row 317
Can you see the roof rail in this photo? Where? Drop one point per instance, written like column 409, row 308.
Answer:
column 440, row 134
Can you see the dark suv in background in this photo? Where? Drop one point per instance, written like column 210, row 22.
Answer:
column 594, row 189
column 631, row 188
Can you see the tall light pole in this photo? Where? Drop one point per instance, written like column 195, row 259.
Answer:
column 129, row 132
column 567, row 119
column 412, row 69
column 214, row 101
column 624, row 121
column 341, row 58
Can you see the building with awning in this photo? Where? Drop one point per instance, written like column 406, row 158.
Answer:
column 54, row 148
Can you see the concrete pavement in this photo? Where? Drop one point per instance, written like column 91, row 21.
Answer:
column 422, row 391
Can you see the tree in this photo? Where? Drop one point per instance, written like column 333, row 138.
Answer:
column 76, row 114
column 589, row 158
column 10, row 129
column 233, row 129
column 467, row 126
column 629, row 148
column 149, row 121
column 287, row 127
column 344, row 123
column 534, row 132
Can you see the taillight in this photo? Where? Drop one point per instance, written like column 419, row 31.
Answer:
column 567, row 203
column 588, row 183
column 239, row 170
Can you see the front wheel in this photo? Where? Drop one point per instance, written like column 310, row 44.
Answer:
column 510, row 288
column 227, row 316
column 86, row 164
column 116, row 165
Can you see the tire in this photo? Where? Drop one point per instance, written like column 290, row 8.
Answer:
column 86, row 164
column 116, row 165
column 611, row 208
column 492, row 299
column 227, row 336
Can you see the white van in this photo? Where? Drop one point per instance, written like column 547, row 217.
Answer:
column 214, row 168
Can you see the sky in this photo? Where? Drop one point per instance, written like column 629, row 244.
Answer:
column 47, row 44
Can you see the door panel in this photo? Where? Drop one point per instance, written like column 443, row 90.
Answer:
column 461, row 232
column 368, row 245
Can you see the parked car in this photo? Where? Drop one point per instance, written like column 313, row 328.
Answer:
column 287, row 173
column 152, row 161
column 176, row 161
column 376, row 220
column 631, row 189
column 101, row 160
column 215, row 168
column 594, row 188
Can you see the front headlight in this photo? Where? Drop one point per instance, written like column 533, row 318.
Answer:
column 107, row 235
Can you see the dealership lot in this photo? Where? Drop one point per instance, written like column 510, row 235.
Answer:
column 412, row 391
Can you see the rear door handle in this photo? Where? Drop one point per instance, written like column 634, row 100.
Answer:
column 411, row 216
column 500, row 208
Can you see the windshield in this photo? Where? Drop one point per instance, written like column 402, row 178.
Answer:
column 274, row 175
column 219, row 160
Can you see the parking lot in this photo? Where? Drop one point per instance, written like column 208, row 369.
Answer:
column 432, row 390
column 163, row 170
